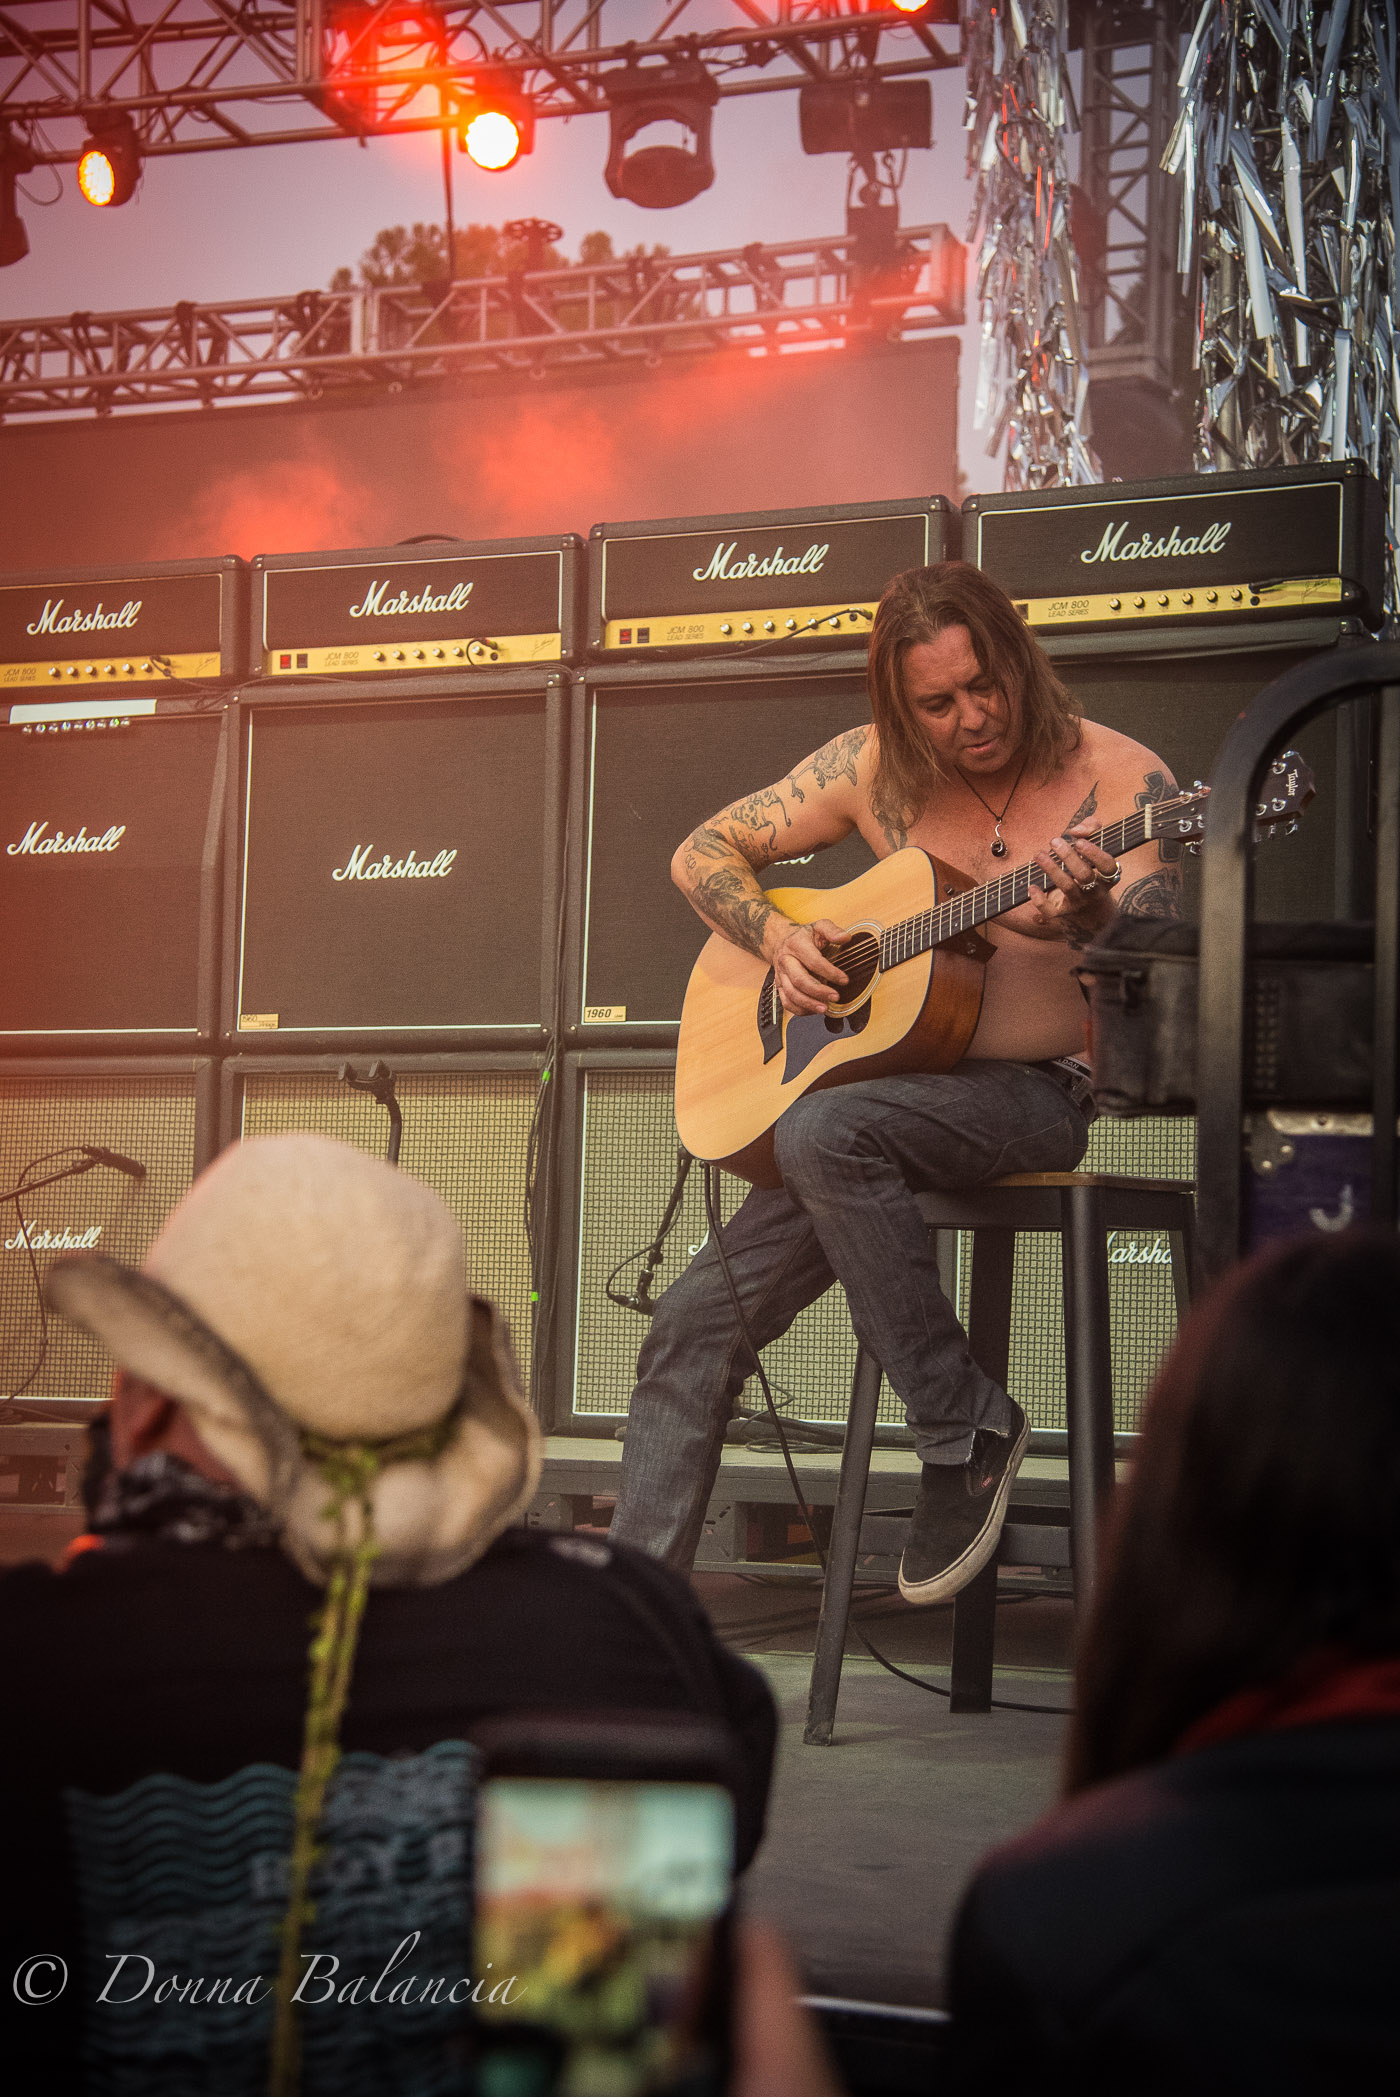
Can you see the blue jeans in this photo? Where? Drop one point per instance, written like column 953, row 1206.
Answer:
column 845, row 1212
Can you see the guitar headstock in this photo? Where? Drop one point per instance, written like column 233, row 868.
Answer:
column 1289, row 785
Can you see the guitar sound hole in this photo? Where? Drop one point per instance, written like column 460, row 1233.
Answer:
column 860, row 959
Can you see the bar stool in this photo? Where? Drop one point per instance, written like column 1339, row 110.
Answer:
column 1083, row 1207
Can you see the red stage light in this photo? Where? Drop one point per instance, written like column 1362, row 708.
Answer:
column 496, row 125
column 110, row 161
column 492, row 139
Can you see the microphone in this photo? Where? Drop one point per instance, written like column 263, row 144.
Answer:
column 132, row 1167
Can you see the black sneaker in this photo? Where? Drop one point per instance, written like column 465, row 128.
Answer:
column 959, row 1513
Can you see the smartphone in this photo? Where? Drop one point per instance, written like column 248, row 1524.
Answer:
column 604, row 1873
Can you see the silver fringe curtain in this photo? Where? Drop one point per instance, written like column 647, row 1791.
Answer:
column 1288, row 144
column 1032, row 377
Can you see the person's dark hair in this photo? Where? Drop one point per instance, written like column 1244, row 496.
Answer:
column 919, row 604
column 1262, row 1520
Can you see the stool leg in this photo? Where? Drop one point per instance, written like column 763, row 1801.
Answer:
column 974, row 1642
column 989, row 1336
column 1088, row 1379
column 842, row 1552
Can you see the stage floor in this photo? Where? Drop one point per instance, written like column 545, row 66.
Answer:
column 871, row 1841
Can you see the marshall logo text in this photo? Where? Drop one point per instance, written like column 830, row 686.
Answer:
column 54, row 1241
column 94, row 621
column 1116, row 546
column 34, row 841
column 379, row 606
column 723, row 568
column 360, row 867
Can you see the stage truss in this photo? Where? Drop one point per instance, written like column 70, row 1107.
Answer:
column 768, row 300
column 202, row 76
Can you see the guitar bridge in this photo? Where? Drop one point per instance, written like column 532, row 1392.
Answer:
column 770, row 1017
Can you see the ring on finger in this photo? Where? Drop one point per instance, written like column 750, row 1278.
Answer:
column 1112, row 880
column 1087, row 887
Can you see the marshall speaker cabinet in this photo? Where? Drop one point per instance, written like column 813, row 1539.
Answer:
column 398, row 862
column 110, row 848
column 389, row 612
column 757, row 584
column 120, row 636
column 1206, row 550
column 655, row 752
column 619, row 1167
column 156, row 1118
column 466, row 1122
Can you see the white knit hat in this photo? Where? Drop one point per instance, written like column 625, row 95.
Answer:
column 303, row 1294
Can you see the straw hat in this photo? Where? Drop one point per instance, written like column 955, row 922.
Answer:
column 304, row 1299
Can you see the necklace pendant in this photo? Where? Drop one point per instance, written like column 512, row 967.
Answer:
column 998, row 848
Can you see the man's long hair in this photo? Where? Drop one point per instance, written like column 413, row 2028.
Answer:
column 1262, row 1521
column 917, row 606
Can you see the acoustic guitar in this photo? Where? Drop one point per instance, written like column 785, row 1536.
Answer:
column 916, row 965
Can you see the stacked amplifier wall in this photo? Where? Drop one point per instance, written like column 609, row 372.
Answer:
column 416, row 835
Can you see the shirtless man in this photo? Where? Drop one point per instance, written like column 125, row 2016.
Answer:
column 975, row 752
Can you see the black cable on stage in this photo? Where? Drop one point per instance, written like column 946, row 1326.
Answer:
column 933, row 1688
column 13, row 1195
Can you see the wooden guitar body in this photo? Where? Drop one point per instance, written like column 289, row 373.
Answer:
column 735, row 1077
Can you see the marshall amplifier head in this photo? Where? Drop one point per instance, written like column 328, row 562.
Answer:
column 101, row 634
column 1213, row 549
column 448, row 604
column 767, row 579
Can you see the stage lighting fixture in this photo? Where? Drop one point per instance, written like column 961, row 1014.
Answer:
column 15, row 160
column 863, row 115
column 657, row 176
column 110, row 161
column 496, row 124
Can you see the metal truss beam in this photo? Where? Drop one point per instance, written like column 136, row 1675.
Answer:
column 201, row 76
column 1129, row 256
column 636, row 311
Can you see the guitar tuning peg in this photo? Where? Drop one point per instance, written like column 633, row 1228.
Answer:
column 1291, row 829
column 1261, row 808
column 1198, row 786
column 1194, row 848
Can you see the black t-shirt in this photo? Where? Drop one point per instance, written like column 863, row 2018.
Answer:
column 166, row 1667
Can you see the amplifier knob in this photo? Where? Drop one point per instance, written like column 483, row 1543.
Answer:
column 768, row 626
column 1212, row 596
column 73, row 670
column 1163, row 598
column 1115, row 604
column 54, row 672
column 748, row 626
column 146, row 665
column 726, row 627
column 1235, row 596
column 380, row 656
column 1138, row 603
column 126, row 669
column 459, row 653
column 92, row 669
column 439, row 653
column 1187, row 598
column 834, row 622
column 420, row 655
column 399, row 655
column 111, row 669
column 792, row 626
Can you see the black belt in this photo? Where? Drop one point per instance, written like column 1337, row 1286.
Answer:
column 1074, row 1077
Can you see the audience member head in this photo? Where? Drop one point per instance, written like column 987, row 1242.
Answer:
column 306, row 1308
column 1261, row 1524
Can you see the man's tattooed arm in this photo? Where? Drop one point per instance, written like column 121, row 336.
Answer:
column 717, row 867
column 1159, row 894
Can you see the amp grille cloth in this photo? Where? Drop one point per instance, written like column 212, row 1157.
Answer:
column 150, row 1119
column 465, row 1134
column 629, row 1160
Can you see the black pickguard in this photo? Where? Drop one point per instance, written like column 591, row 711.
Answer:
column 808, row 1033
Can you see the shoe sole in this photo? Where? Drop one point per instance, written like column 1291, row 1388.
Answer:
column 924, row 1593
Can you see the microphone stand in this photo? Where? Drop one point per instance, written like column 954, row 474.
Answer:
column 642, row 1299
column 379, row 1083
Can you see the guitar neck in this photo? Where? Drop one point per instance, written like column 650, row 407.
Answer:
column 977, row 906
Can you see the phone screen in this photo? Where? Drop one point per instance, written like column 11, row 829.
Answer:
column 598, row 1936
